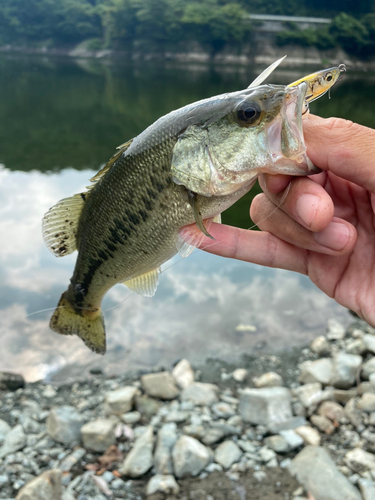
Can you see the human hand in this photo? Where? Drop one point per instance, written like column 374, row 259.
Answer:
column 325, row 227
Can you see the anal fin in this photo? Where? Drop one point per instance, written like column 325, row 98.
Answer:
column 145, row 284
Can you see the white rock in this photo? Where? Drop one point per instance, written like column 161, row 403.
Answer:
column 269, row 379
column 4, row 429
column 367, row 488
column 167, row 437
column 227, row 453
column 320, row 346
column 292, row 438
column 309, row 435
column 14, row 440
column 190, row 457
column 120, row 401
column 309, row 394
column 99, row 434
column 344, row 370
column 132, row 417
column 316, row 371
column 335, row 330
column 139, row 459
column 160, row 385
column 367, row 402
column 369, row 341
column 222, row 410
column 239, row 374
column 332, row 410
column 162, row 483
column 277, row 443
column 64, row 424
column 368, row 368
column 265, row 406
column 183, row 374
column 316, row 471
column 47, row 486
column 360, row 460
column 356, row 346
column 201, row 394
column 49, row 392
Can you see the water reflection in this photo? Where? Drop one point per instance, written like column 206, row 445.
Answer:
column 57, row 114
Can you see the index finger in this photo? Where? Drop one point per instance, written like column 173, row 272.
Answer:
column 345, row 148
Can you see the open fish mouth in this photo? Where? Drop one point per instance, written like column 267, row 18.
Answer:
column 285, row 137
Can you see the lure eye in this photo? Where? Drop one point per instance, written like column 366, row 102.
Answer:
column 329, row 77
column 249, row 113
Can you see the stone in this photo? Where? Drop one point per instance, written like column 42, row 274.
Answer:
column 367, row 401
column 356, row 346
column 163, row 484
column 4, row 429
column 353, row 413
column 342, row 396
column 265, row 454
column 368, row 368
column 320, row 346
column 147, row 407
column 344, row 370
column 367, row 488
column 309, row 435
column 290, row 423
column 183, row 374
column 120, row 401
column 332, row 410
column 369, row 341
column 269, row 379
column 218, row 431
column 47, row 486
column 177, row 416
column 309, row 394
column 240, row 374
column 11, row 381
column 64, row 424
column 265, row 406
column 160, row 385
column 190, row 457
column 201, row 394
column 222, row 410
column 71, row 460
column 227, row 453
column 14, row 440
column 317, row 473
column 30, row 426
column 277, row 443
column 360, row 460
column 292, row 438
column 167, row 437
column 49, row 392
column 322, row 423
column 364, row 387
column 132, row 417
column 316, row 371
column 139, row 460
column 335, row 330
column 99, row 434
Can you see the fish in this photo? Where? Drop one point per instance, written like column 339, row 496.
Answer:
column 189, row 166
column 321, row 82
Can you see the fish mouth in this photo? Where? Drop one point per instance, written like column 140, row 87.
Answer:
column 285, row 137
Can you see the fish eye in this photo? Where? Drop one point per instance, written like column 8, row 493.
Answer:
column 329, row 77
column 249, row 113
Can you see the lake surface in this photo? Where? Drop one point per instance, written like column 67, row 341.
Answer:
column 60, row 121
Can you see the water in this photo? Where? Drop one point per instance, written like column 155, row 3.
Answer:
column 60, row 121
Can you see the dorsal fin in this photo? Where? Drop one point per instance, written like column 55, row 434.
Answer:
column 109, row 163
column 146, row 284
column 60, row 225
column 266, row 73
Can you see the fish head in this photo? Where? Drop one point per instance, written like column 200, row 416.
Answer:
column 255, row 131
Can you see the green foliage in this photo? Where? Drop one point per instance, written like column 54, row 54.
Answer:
column 349, row 32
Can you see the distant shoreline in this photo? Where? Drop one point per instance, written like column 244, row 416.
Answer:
column 267, row 53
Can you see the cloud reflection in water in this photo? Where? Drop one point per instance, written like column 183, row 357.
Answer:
column 194, row 314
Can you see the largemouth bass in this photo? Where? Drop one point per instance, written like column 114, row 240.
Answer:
column 188, row 166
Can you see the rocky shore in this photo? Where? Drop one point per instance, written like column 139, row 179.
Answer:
column 174, row 435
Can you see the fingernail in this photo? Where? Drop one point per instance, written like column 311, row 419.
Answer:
column 335, row 236
column 306, row 207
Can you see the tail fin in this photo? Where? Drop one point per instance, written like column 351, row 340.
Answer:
column 89, row 325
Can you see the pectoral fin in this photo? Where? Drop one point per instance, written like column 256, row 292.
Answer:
column 146, row 284
column 197, row 215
